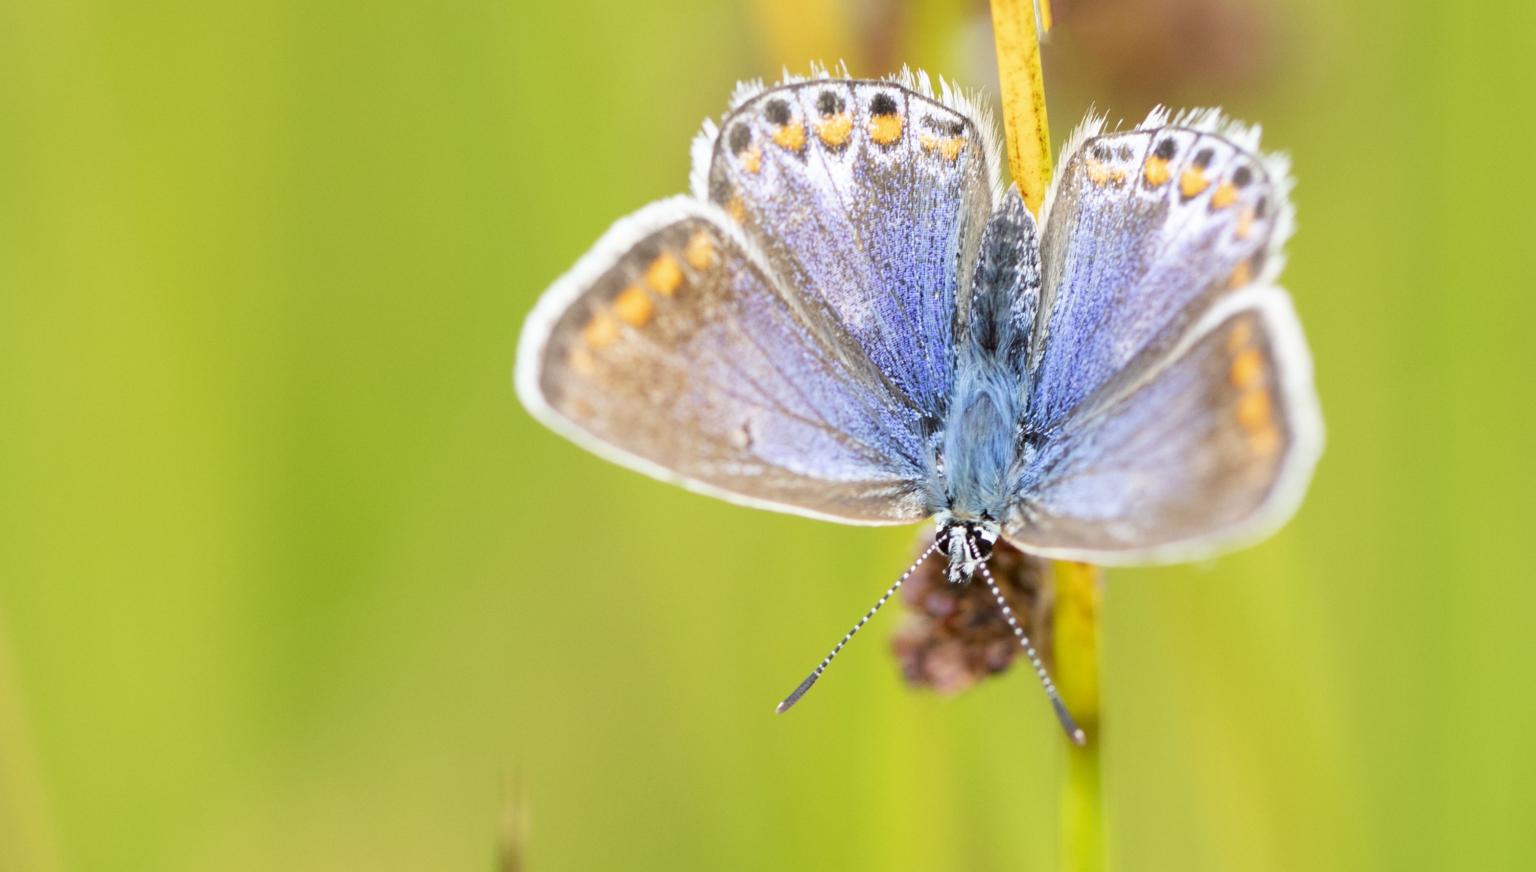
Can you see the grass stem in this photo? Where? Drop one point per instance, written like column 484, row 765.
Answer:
column 1079, row 594
column 1078, row 587
column 1022, row 85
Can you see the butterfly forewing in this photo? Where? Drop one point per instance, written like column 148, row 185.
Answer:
column 1145, row 230
column 867, row 199
column 671, row 349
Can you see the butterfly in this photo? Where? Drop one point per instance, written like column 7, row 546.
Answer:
column 850, row 319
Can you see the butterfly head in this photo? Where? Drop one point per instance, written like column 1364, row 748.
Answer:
column 967, row 544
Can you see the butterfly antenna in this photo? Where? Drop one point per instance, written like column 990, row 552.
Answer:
column 1074, row 732
column 805, row 685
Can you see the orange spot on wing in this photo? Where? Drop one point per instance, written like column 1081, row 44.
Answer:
column 1241, row 335
column 1244, row 223
column 1101, row 173
column 735, row 208
column 834, row 131
column 790, row 136
column 582, row 362
column 1192, row 182
column 1156, row 172
column 600, row 331
column 950, row 147
column 664, row 274
column 1255, row 411
column 1247, row 368
column 633, row 306
column 752, row 160
column 700, row 251
column 1226, row 195
column 1241, row 275
column 885, row 129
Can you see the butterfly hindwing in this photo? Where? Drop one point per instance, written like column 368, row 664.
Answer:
column 1189, row 450
column 670, row 348
column 868, row 200
column 1144, row 230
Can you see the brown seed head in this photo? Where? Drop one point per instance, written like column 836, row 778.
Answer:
column 955, row 635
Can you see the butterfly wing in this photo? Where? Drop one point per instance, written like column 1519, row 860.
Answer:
column 1187, row 451
column 1171, row 401
column 868, row 199
column 1143, row 231
column 672, row 349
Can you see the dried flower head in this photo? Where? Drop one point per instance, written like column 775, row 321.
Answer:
column 955, row 635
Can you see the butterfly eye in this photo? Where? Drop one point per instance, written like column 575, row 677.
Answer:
column 983, row 544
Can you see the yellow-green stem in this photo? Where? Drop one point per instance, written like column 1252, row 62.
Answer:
column 1079, row 593
column 1022, row 87
column 1078, row 587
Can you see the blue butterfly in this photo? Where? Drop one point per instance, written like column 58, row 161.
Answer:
column 850, row 319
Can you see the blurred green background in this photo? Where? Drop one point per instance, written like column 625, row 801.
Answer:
column 288, row 580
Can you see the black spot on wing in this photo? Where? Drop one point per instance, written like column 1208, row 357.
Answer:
column 943, row 125
column 739, row 138
column 777, row 111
